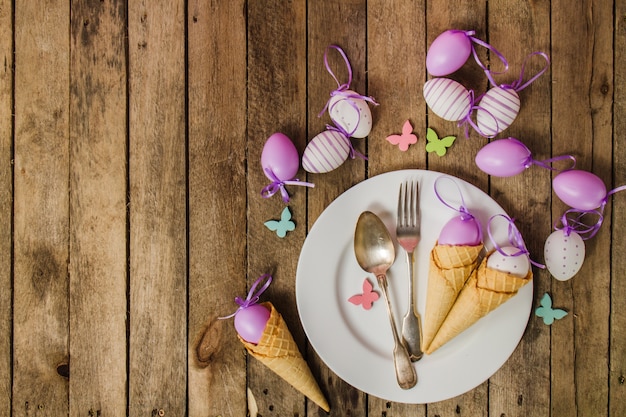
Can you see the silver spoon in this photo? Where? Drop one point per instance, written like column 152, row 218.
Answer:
column 375, row 253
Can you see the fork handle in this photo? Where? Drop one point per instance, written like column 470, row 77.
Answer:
column 411, row 323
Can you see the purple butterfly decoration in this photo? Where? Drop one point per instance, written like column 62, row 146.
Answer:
column 367, row 298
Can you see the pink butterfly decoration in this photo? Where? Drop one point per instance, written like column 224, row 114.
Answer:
column 405, row 139
column 367, row 298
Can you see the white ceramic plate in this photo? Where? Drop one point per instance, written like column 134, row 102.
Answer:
column 356, row 343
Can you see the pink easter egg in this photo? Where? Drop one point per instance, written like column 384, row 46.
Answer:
column 280, row 156
column 447, row 98
column 353, row 115
column 325, row 152
column 460, row 231
column 448, row 52
column 497, row 109
column 250, row 322
column 503, row 157
column 579, row 189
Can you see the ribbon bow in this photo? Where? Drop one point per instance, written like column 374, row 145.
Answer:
column 465, row 214
column 253, row 295
column 279, row 185
column 519, row 84
column 470, row 35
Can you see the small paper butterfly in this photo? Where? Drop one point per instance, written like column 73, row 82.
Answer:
column 367, row 298
column 548, row 313
column 437, row 145
column 283, row 226
column 405, row 139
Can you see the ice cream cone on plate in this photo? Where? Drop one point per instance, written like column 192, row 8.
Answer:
column 450, row 266
column 485, row 290
column 278, row 351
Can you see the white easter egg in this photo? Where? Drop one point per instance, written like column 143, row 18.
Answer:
column 353, row 115
column 497, row 110
column 325, row 152
column 447, row 98
column 564, row 255
column 515, row 265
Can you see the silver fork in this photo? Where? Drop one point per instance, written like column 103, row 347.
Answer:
column 408, row 235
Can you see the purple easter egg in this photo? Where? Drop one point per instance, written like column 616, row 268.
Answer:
column 448, row 52
column 460, row 231
column 280, row 156
column 503, row 157
column 250, row 322
column 579, row 189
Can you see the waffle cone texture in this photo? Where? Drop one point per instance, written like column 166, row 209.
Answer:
column 485, row 290
column 278, row 351
column 450, row 267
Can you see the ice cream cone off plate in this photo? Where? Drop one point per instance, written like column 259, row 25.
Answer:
column 355, row 343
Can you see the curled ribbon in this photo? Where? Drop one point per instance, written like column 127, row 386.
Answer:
column 573, row 219
column 470, row 35
column 342, row 90
column 465, row 214
column 519, row 85
column 530, row 161
column 279, row 185
column 515, row 240
column 253, row 295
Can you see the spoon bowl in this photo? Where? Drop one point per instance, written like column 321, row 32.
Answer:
column 375, row 254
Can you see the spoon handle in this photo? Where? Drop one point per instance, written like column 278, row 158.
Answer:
column 405, row 372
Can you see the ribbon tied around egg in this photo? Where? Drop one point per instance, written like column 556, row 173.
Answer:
column 463, row 229
column 515, row 246
column 253, row 294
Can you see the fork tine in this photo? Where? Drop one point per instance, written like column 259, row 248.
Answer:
column 401, row 193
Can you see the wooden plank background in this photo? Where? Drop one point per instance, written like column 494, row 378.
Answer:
column 131, row 214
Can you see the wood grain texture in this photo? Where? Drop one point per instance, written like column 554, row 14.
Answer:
column 217, row 205
column 580, row 347
column 6, row 203
column 158, row 209
column 41, row 206
column 617, row 342
column 98, row 255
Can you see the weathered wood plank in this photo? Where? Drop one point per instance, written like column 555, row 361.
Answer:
column 396, row 72
column 98, row 262
column 522, row 386
column 581, row 124
column 617, row 354
column 6, row 203
column 464, row 15
column 217, row 205
column 276, row 103
column 342, row 24
column 157, row 165
column 41, row 207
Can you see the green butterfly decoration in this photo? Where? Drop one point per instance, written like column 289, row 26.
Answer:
column 283, row 226
column 440, row 146
column 548, row 313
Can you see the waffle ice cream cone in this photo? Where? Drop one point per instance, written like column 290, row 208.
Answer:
column 278, row 351
column 486, row 289
column 450, row 266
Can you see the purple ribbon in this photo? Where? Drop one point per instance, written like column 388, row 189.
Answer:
column 253, row 295
column 519, row 85
column 470, row 35
column 546, row 162
column 279, row 185
column 573, row 219
column 343, row 89
column 353, row 152
column 467, row 120
column 465, row 214
column 515, row 240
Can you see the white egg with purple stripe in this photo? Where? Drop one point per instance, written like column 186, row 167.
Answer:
column 564, row 255
column 350, row 113
column 447, row 98
column 325, row 152
column 497, row 109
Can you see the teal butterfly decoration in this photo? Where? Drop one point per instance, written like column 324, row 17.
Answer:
column 282, row 226
column 440, row 146
column 548, row 313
